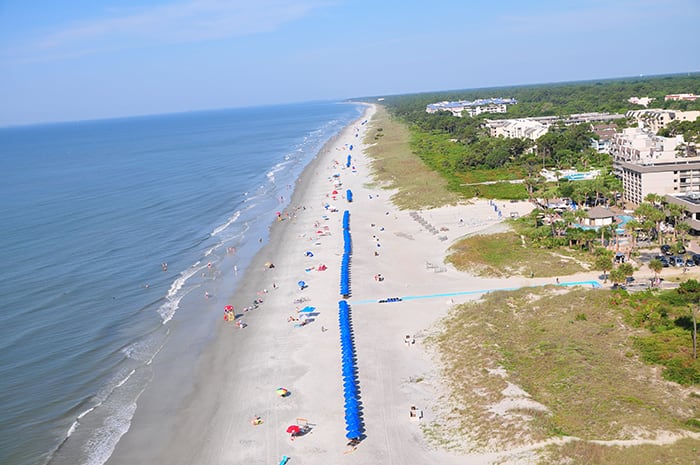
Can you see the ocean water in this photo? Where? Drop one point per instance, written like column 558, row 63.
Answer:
column 90, row 212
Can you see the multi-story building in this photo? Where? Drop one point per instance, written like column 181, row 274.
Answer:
column 472, row 108
column 643, row 101
column 605, row 133
column 532, row 128
column 688, row 97
column 655, row 119
column 517, row 128
column 647, row 164
column 690, row 201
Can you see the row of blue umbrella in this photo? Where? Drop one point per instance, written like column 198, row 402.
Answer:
column 353, row 420
column 349, row 162
column 347, row 251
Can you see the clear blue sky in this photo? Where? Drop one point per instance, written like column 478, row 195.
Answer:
column 85, row 59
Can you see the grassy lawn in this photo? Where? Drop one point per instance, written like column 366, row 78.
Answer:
column 574, row 356
column 500, row 255
column 395, row 167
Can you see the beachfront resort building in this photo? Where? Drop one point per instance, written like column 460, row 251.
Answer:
column 643, row 101
column 647, row 163
column 655, row 119
column 532, row 128
column 605, row 133
column 517, row 128
column 690, row 201
column 472, row 108
column 686, row 97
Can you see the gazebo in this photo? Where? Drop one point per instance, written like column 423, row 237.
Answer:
column 599, row 216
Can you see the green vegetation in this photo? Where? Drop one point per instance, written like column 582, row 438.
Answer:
column 583, row 357
column 575, row 356
column 394, row 166
column 669, row 319
column 508, row 254
column 565, row 98
column 681, row 452
column 455, row 147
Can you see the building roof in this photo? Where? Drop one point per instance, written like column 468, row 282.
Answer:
column 596, row 213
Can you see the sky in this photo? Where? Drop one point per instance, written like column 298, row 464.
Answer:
column 72, row 60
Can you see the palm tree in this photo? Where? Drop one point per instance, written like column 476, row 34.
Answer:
column 676, row 212
column 656, row 266
column 588, row 236
column 628, row 270
column 683, row 229
column 606, row 231
column 617, row 277
column 648, row 212
column 631, row 228
column 603, row 261
column 654, row 199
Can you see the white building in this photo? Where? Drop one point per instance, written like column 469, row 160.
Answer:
column 517, row 128
column 643, row 101
column 532, row 128
column 647, row 164
column 655, row 119
column 472, row 108
column 688, row 97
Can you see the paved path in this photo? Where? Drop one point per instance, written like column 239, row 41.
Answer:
column 594, row 284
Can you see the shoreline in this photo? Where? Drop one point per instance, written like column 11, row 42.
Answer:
column 154, row 418
column 204, row 416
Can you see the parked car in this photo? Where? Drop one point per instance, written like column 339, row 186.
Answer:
column 689, row 262
column 676, row 261
column 680, row 249
column 663, row 260
column 666, row 250
column 696, row 258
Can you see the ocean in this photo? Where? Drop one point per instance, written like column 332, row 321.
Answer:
column 111, row 232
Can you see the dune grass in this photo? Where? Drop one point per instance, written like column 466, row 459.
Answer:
column 500, row 255
column 395, row 167
column 574, row 355
column 682, row 452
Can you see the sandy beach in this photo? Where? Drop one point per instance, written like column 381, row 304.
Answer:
column 205, row 417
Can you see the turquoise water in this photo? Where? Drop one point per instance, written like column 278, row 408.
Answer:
column 91, row 212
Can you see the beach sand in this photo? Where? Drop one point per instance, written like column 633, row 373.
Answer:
column 204, row 416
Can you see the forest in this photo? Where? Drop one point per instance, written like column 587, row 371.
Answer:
column 463, row 152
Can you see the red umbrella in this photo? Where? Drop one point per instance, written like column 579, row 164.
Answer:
column 293, row 429
column 228, row 307
column 334, row 192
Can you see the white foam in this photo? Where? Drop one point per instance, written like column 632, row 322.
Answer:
column 168, row 309
column 102, row 443
column 146, row 348
column 182, row 279
column 72, row 428
column 228, row 223
column 276, row 169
